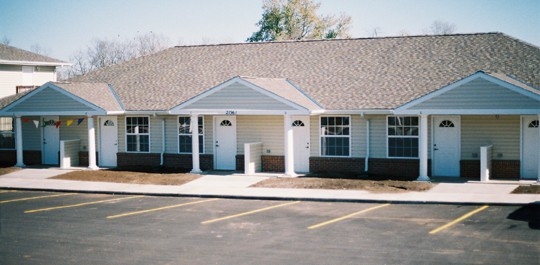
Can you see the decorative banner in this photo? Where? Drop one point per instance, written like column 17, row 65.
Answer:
column 79, row 121
column 57, row 124
column 36, row 122
column 25, row 119
column 69, row 122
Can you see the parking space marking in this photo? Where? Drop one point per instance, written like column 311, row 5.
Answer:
column 347, row 216
column 37, row 197
column 159, row 209
column 248, row 213
column 81, row 204
column 463, row 217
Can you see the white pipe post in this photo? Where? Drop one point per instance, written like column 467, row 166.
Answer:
column 194, row 127
column 91, row 144
column 19, row 142
column 423, row 148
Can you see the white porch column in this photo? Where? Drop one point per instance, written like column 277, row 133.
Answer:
column 19, row 142
column 538, row 162
column 91, row 144
column 194, row 127
column 289, row 146
column 423, row 148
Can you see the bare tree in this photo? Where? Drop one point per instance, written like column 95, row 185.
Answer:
column 103, row 52
column 36, row 48
column 441, row 27
column 5, row 40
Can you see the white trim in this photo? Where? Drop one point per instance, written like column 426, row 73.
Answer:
column 470, row 112
column 404, row 109
column 185, row 105
column 403, row 136
column 223, row 112
column 190, row 124
column 50, row 85
column 432, row 135
column 34, row 63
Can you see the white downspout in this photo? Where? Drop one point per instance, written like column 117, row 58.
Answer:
column 366, row 162
column 162, row 141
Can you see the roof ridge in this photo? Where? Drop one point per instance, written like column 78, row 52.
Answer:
column 341, row 39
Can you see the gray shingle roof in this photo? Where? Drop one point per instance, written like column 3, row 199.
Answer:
column 100, row 94
column 371, row 73
column 10, row 53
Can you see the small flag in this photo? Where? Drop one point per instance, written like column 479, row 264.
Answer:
column 57, row 124
column 36, row 122
column 69, row 122
column 79, row 121
column 25, row 119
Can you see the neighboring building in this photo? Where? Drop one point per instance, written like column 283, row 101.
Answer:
column 21, row 71
column 414, row 106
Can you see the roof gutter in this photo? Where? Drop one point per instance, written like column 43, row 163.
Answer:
column 357, row 111
column 34, row 63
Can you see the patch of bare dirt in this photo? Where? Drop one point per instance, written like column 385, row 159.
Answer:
column 345, row 184
column 527, row 189
column 158, row 176
column 7, row 170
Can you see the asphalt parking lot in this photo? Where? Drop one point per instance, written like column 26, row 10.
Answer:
column 68, row 228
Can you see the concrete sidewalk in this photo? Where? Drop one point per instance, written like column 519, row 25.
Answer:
column 238, row 186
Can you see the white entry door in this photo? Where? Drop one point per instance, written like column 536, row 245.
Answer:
column 300, row 126
column 51, row 141
column 529, row 148
column 225, row 142
column 108, row 128
column 446, row 146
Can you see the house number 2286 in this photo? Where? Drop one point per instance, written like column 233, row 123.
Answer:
column 230, row 112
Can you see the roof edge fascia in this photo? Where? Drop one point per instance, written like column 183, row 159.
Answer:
column 34, row 63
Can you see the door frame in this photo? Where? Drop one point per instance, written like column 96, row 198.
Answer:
column 102, row 146
column 522, row 143
column 215, row 138
column 434, row 137
column 44, row 154
column 302, row 145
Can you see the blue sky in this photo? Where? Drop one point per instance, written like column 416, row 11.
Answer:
column 62, row 27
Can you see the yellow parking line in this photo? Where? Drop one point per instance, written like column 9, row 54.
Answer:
column 158, row 209
column 463, row 217
column 37, row 197
column 80, row 204
column 347, row 216
column 247, row 213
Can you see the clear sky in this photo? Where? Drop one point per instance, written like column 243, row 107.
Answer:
column 62, row 27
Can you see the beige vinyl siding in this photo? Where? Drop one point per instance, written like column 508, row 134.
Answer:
column 75, row 131
column 31, row 134
column 314, row 135
column 378, row 136
column 50, row 100
column 238, row 96
column 10, row 77
column 208, row 134
column 171, row 134
column 156, row 145
column 266, row 129
column 479, row 94
column 503, row 132
column 121, row 133
column 358, row 135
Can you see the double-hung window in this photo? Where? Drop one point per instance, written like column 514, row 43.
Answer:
column 7, row 134
column 335, row 136
column 402, row 136
column 184, row 134
column 137, row 134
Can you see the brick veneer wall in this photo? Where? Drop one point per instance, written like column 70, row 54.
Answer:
column 336, row 164
column 30, row 157
column 206, row 161
column 83, row 158
column 408, row 168
column 501, row 169
column 137, row 159
column 273, row 163
column 240, row 162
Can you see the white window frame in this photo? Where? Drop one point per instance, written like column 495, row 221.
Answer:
column 388, row 136
column 137, row 133
column 321, row 136
column 4, row 126
column 201, row 134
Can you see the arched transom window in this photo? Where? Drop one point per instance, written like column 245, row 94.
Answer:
column 298, row 123
column 446, row 124
column 108, row 123
column 533, row 124
column 225, row 123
